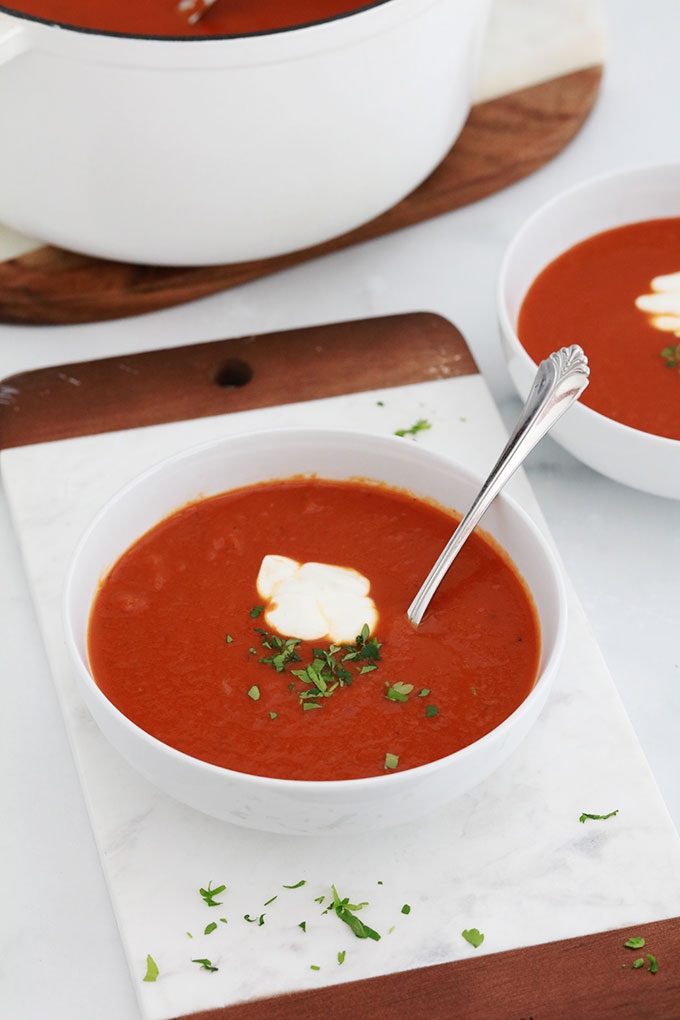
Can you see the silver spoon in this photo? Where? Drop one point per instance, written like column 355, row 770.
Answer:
column 559, row 381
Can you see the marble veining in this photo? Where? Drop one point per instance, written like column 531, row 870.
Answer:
column 510, row 858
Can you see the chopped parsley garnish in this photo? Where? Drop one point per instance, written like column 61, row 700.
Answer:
column 636, row 942
column 270, row 900
column 273, row 715
column 598, row 817
column 431, row 711
column 391, row 761
column 205, row 964
column 256, row 611
column 671, row 356
column 341, row 956
column 423, row 693
column 152, row 971
column 314, row 966
column 209, row 894
column 228, row 639
column 653, row 964
column 420, row 426
column 250, row 920
column 473, row 936
column 332, row 667
column 303, row 925
column 254, row 693
column 345, row 911
column 638, row 963
column 210, row 928
column 297, row 885
column 398, row 691
column 283, row 650
column 406, row 909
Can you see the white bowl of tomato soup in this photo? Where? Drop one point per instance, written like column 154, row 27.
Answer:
column 599, row 265
column 266, row 127
column 237, row 622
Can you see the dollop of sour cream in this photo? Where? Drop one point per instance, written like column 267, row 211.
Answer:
column 314, row 601
column 663, row 304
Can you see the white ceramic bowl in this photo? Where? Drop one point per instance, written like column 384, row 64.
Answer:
column 302, row 806
column 214, row 150
column 639, row 459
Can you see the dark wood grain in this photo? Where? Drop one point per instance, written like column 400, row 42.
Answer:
column 228, row 375
column 503, row 140
column 575, row 979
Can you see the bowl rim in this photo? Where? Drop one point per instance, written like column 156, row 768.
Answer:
column 508, row 328
column 364, row 5
column 359, row 785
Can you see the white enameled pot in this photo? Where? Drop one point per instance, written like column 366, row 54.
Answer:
column 212, row 150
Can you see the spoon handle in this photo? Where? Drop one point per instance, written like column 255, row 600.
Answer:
column 560, row 379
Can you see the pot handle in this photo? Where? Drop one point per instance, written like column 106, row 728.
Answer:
column 13, row 38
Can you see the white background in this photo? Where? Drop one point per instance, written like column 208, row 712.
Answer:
column 60, row 953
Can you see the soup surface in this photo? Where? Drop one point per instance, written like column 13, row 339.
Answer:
column 179, row 639
column 164, row 17
column 616, row 294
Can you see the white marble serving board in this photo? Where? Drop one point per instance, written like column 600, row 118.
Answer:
column 527, row 42
column 511, row 858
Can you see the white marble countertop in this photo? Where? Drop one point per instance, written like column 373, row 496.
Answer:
column 61, row 953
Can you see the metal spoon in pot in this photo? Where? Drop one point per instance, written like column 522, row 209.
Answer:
column 193, row 10
column 559, row 381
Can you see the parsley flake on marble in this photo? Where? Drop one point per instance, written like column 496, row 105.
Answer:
column 205, row 964
column 473, row 936
column 152, row 971
column 209, row 894
column 602, row 818
column 420, row 426
column 297, row 885
column 346, row 912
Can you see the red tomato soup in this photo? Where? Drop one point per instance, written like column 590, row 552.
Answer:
column 616, row 294
column 164, row 17
column 178, row 638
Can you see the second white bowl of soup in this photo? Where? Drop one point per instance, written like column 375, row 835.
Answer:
column 599, row 265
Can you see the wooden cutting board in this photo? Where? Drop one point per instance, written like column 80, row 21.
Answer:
column 568, row 978
column 504, row 140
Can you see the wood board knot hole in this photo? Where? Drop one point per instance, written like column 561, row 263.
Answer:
column 233, row 373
